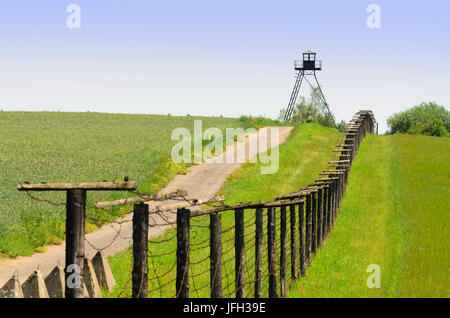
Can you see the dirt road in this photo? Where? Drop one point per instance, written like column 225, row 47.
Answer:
column 202, row 181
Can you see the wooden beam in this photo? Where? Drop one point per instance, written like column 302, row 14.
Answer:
column 297, row 194
column 345, row 145
column 327, row 179
column 338, row 166
column 251, row 205
column 97, row 186
column 315, row 186
column 229, row 208
column 331, row 172
column 283, row 203
column 141, row 199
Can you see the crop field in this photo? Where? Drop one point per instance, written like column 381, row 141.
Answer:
column 79, row 147
column 302, row 156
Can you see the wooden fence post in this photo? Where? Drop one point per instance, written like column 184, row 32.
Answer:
column 75, row 225
column 330, row 206
column 239, row 252
column 183, row 252
column 294, row 263
column 314, row 222
column 341, row 188
column 325, row 212
column 301, row 234
column 140, row 251
column 75, row 218
column 319, row 217
column 258, row 252
column 272, row 262
column 308, row 238
column 215, row 255
column 283, row 287
column 333, row 201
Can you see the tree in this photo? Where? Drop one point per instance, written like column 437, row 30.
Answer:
column 311, row 110
column 425, row 119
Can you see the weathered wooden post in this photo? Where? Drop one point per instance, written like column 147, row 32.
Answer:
column 341, row 188
column 308, row 224
column 140, row 251
column 319, row 217
column 294, row 262
column 325, row 212
column 258, row 252
column 333, row 200
column 314, row 221
column 272, row 262
column 283, row 279
column 76, row 194
column 215, row 255
column 183, row 252
column 329, row 206
column 75, row 222
column 239, row 252
column 301, row 235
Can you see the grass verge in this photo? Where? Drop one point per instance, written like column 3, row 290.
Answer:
column 391, row 215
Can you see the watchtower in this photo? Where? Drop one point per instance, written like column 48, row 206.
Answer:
column 305, row 67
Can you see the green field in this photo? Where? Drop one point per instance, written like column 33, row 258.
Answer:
column 394, row 214
column 79, row 147
column 304, row 154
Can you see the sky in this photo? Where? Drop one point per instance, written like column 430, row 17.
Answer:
column 227, row 58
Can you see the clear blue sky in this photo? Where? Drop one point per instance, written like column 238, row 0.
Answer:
column 221, row 57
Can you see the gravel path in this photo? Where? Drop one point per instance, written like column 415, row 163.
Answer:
column 203, row 181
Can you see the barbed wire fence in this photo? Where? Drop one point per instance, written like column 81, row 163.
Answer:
column 254, row 249
column 257, row 249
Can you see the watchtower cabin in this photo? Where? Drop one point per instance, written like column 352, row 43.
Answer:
column 309, row 62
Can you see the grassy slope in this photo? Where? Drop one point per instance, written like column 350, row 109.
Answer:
column 65, row 147
column 392, row 215
column 425, row 172
column 302, row 157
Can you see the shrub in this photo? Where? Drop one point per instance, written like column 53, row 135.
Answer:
column 425, row 119
column 258, row 122
column 311, row 110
